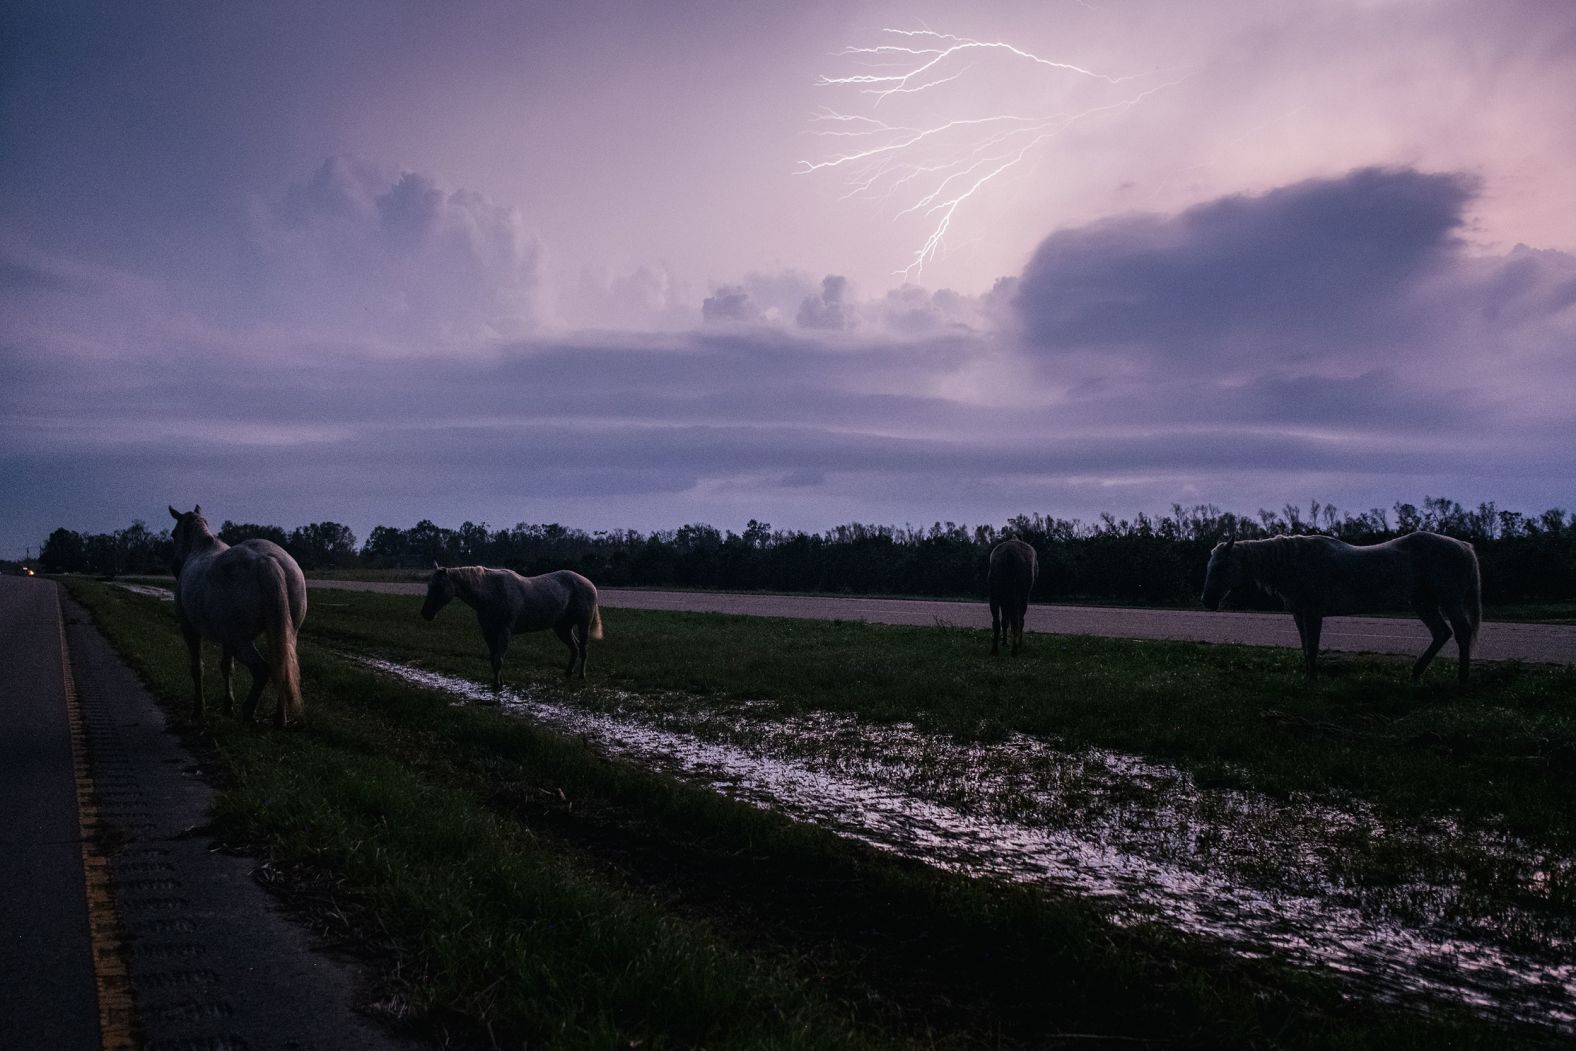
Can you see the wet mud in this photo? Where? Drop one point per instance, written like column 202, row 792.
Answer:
column 1422, row 912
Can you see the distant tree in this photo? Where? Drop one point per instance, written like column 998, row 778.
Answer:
column 1148, row 559
column 1407, row 518
column 235, row 532
column 757, row 534
column 472, row 543
column 322, row 545
column 386, row 547
column 64, row 552
column 105, row 555
column 427, row 543
column 142, row 550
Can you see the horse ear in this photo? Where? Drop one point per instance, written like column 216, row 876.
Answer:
column 1231, row 542
column 174, row 513
column 435, row 567
column 197, row 509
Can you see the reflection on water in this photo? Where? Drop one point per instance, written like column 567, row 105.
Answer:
column 162, row 594
column 1142, row 838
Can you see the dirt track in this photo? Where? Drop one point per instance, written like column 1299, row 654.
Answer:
column 1498, row 641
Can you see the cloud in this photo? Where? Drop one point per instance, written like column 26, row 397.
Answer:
column 789, row 298
column 1451, row 376
column 829, row 308
column 730, row 303
column 356, row 249
column 1303, row 270
column 644, row 299
column 760, row 298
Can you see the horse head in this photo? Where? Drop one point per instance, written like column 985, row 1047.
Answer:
column 190, row 528
column 1225, row 573
column 440, row 592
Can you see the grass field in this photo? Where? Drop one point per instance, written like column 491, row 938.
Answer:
column 523, row 886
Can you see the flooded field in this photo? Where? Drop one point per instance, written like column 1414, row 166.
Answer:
column 1427, row 911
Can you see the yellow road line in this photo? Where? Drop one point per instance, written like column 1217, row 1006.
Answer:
column 117, row 1013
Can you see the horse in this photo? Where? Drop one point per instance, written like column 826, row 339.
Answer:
column 1318, row 576
column 230, row 595
column 506, row 602
column 1013, row 570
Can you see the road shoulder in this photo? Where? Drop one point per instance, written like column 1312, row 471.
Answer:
column 212, row 960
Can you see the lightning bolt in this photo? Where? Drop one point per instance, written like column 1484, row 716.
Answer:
column 936, row 167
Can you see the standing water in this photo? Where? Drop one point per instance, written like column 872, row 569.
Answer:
column 1261, row 875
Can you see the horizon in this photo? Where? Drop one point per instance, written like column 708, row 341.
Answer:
column 627, row 266
column 1317, row 512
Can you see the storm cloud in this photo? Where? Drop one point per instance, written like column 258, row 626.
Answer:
column 1105, row 385
column 376, row 262
column 1302, row 270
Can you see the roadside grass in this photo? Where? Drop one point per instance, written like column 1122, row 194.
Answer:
column 536, row 891
column 1500, row 751
column 506, row 937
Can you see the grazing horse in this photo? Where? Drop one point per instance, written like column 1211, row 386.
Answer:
column 1318, row 576
column 231, row 595
column 505, row 602
column 1013, row 569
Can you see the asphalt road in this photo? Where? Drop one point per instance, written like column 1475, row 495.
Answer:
column 1497, row 640
column 50, row 996
column 207, row 956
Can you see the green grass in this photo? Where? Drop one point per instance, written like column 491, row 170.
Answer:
column 536, row 892
column 1500, row 750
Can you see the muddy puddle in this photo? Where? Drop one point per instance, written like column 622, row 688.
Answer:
column 1475, row 919
column 162, row 594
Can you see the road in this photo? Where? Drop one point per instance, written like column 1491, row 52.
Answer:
column 43, row 910
column 112, row 883
column 1497, row 640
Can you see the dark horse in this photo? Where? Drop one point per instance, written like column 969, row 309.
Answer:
column 231, row 595
column 505, row 602
column 1013, row 569
column 1318, row 576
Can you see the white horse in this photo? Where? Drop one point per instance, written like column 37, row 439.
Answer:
column 505, row 602
column 231, row 595
column 1013, row 570
column 1319, row 576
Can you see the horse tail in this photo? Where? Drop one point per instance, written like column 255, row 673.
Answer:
column 280, row 628
column 596, row 622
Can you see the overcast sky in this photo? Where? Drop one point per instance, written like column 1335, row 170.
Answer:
column 640, row 264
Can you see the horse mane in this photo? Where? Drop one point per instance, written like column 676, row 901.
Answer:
column 1275, row 561
column 1270, row 554
column 467, row 578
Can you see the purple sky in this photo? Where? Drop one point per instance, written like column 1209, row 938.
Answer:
column 636, row 264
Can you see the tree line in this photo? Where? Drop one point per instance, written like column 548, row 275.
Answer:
column 1147, row 560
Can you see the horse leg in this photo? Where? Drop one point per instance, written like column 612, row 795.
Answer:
column 194, row 650
column 583, row 638
column 1017, row 625
column 1302, row 620
column 566, row 635
column 1429, row 614
column 497, row 646
column 995, row 628
column 1463, row 630
column 253, row 660
column 227, row 670
column 1312, row 625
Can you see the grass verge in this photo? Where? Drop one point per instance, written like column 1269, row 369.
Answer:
column 1501, row 749
column 537, row 892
